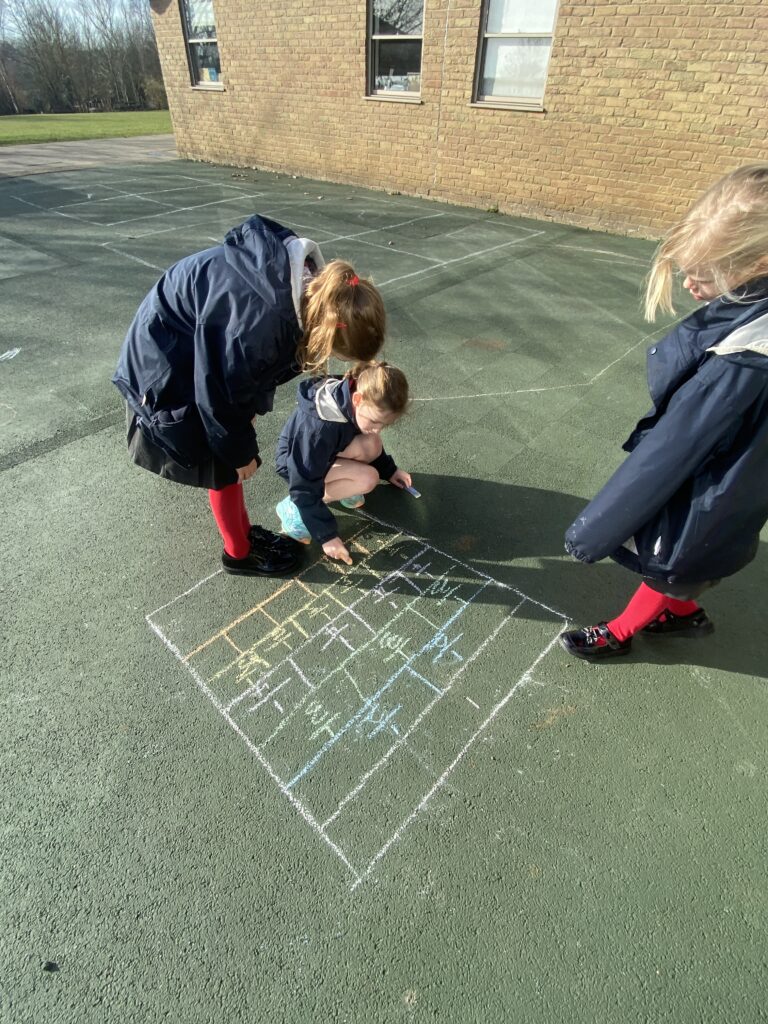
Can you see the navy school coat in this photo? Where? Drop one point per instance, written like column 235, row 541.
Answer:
column 209, row 345
column 322, row 425
column 693, row 493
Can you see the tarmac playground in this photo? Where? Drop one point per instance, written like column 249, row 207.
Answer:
column 377, row 793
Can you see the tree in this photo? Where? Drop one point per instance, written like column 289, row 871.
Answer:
column 80, row 55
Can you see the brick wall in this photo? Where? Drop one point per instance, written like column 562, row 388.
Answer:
column 646, row 103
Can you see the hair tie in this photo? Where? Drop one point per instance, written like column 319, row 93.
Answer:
column 340, row 324
column 354, row 280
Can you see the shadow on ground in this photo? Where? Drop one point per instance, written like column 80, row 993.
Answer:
column 515, row 534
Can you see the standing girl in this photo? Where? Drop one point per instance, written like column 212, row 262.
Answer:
column 212, row 340
column 330, row 449
column 686, row 507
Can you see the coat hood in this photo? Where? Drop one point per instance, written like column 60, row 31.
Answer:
column 749, row 343
column 256, row 251
column 328, row 399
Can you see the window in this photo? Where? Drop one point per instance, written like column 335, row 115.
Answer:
column 200, row 35
column 516, row 42
column 394, row 32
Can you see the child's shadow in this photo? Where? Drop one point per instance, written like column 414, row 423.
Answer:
column 515, row 535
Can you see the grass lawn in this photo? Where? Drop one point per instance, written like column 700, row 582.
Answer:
column 20, row 128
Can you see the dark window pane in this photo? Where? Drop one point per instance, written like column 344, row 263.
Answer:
column 201, row 23
column 397, row 66
column 397, row 17
column 205, row 62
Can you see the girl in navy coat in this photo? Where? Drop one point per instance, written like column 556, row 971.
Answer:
column 685, row 509
column 330, row 449
column 209, row 344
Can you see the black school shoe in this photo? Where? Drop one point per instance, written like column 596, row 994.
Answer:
column 594, row 643
column 260, row 536
column 696, row 624
column 261, row 560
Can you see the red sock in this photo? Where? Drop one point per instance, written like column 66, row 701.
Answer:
column 681, row 607
column 244, row 511
column 644, row 606
column 228, row 507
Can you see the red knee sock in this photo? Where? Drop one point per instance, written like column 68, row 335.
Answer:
column 645, row 606
column 228, row 507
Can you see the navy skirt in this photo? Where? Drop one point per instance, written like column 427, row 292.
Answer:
column 211, row 474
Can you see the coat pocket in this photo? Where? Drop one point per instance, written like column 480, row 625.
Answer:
column 179, row 432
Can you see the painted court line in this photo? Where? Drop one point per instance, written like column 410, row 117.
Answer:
column 461, row 259
column 130, row 256
column 178, row 209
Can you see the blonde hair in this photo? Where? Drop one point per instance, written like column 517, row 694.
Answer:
column 343, row 315
column 722, row 238
column 381, row 385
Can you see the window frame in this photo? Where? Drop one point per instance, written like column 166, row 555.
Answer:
column 218, row 85
column 404, row 95
column 508, row 102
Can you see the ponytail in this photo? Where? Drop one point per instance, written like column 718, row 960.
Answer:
column 380, row 384
column 343, row 315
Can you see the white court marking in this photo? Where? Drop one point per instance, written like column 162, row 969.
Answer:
column 351, row 708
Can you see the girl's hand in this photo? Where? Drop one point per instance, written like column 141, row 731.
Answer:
column 401, row 479
column 335, row 548
column 246, row 472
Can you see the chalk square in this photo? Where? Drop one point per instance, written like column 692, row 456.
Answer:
column 331, row 721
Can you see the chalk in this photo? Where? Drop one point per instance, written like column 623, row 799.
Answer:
column 412, row 491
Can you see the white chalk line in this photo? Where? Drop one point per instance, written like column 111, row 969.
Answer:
column 344, row 610
column 11, row 353
column 523, row 681
column 359, row 513
column 297, row 804
column 300, row 807
column 355, row 792
column 186, row 593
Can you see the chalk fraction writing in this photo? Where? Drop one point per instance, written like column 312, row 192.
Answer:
column 359, row 688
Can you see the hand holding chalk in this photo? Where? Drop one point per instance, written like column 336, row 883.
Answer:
column 403, row 480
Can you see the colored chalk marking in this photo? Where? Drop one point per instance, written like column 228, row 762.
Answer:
column 343, row 685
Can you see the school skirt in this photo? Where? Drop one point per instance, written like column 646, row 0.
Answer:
column 211, row 473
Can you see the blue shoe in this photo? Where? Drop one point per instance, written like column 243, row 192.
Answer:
column 354, row 501
column 291, row 521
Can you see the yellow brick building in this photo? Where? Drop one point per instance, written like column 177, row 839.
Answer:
column 602, row 114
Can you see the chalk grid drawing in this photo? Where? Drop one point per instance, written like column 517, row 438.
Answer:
column 359, row 689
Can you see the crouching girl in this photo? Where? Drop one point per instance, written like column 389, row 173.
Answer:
column 330, row 449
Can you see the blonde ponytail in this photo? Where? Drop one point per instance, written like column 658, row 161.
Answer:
column 723, row 238
column 343, row 315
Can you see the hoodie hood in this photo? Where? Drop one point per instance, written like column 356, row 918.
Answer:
column 328, row 399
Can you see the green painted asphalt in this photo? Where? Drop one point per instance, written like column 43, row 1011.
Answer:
column 367, row 795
